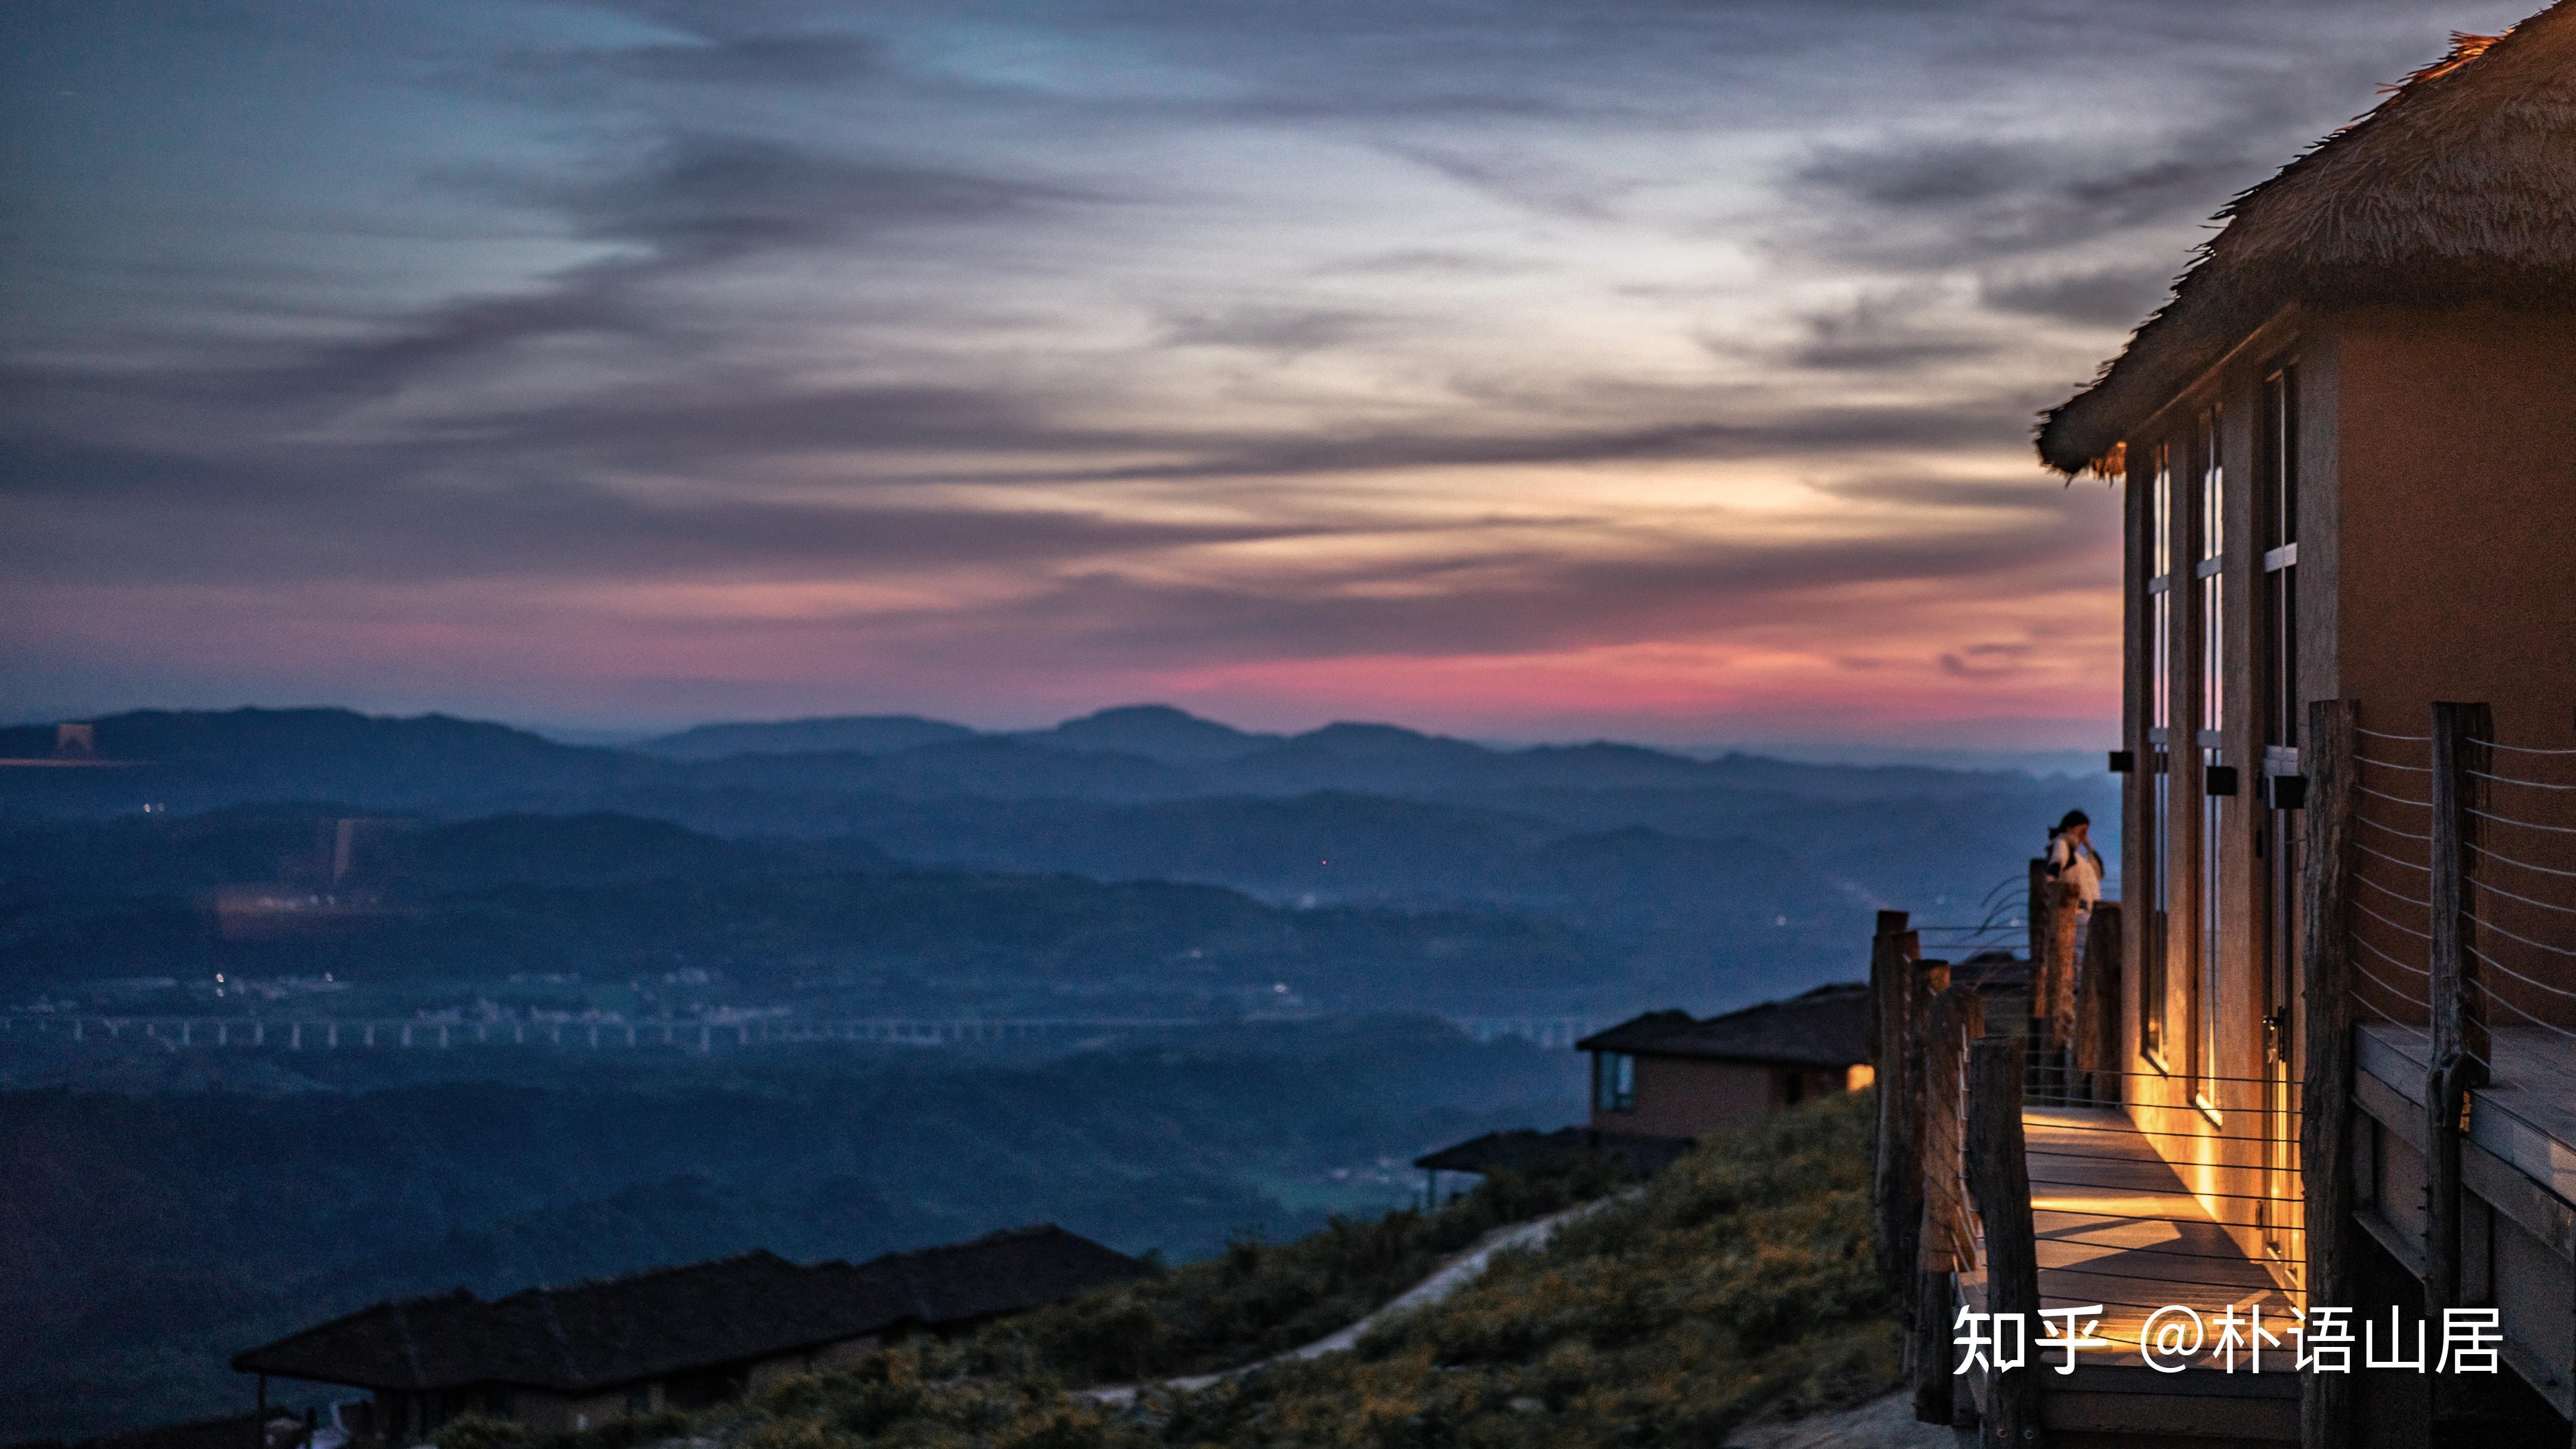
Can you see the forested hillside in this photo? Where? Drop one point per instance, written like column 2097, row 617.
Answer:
column 1738, row 1282
column 159, row 1229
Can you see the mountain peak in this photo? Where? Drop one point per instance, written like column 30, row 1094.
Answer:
column 866, row 734
column 1159, row 732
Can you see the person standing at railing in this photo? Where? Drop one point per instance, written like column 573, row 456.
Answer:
column 2074, row 864
column 2074, row 871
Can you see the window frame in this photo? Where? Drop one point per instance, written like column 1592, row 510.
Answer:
column 1614, row 1081
column 2210, row 664
column 2154, row 1017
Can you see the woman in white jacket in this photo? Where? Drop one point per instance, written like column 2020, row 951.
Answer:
column 2072, row 860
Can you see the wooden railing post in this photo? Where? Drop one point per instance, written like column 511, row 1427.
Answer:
column 1926, row 980
column 2035, row 916
column 1895, row 1187
column 2460, row 1048
column 2097, row 1006
column 2063, row 909
column 1956, row 1017
column 2327, row 1401
column 1999, row 1176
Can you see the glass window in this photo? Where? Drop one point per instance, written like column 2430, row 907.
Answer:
column 1614, row 1081
column 2159, row 778
column 2278, row 507
column 2213, row 720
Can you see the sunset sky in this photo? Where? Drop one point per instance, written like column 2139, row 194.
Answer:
column 1520, row 370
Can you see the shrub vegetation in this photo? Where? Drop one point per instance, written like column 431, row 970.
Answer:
column 1737, row 1281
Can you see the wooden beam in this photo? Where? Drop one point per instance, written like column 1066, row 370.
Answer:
column 2063, row 909
column 1999, row 1177
column 2097, row 1005
column 1928, row 1347
column 2460, row 755
column 2035, row 916
column 1890, row 923
column 1896, row 1176
column 1924, row 980
column 2327, row 1401
column 1955, row 1017
column 2460, row 1045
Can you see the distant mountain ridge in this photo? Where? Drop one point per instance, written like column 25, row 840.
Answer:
column 865, row 734
column 206, row 759
column 1702, row 875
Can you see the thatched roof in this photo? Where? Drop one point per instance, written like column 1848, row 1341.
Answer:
column 2459, row 187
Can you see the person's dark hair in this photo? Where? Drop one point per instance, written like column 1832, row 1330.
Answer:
column 2073, row 819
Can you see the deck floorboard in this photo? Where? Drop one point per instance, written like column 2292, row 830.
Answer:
column 2119, row 1227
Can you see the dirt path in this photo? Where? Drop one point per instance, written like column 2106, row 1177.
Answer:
column 1448, row 1278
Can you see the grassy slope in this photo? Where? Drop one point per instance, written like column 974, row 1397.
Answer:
column 1739, row 1281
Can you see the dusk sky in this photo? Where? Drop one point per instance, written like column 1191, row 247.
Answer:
column 1661, row 371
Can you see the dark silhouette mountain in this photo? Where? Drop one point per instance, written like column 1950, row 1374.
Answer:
column 184, row 855
column 1155, row 731
column 866, row 734
column 598, row 848
column 1698, row 870
column 979, row 766
column 197, row 760
column 1362, row 757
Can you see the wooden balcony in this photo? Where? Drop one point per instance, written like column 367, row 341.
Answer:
column 2115, row 1225
column 2517, row 1173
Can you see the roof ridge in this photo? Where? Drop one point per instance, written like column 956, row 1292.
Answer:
column 638, row 1275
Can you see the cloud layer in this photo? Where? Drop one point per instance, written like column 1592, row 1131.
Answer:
column 1663, row 371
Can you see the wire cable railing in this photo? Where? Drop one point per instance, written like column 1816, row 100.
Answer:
column 2392, row 924
column 2518, row 898
column 2154, row 1203
column 2514, row 834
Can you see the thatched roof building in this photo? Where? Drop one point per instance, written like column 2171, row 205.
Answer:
column 2459, row 187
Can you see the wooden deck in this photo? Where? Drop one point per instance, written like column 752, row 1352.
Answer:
column 2526, row 1115
column 2519, row 1159
column 2117, row 1227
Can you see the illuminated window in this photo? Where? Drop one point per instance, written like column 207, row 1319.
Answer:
column 2151, row 974
column 2210, row 570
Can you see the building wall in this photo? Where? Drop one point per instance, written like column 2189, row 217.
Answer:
column 2204, row 1092
column 789, row 1365
column 2459, row 463
column 1685, row 1097
column 562, row 1413
column 2458, row 471
column 2437, row 463
column 567, row 1413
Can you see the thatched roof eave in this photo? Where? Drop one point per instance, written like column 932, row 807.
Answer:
column 2459, row 189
